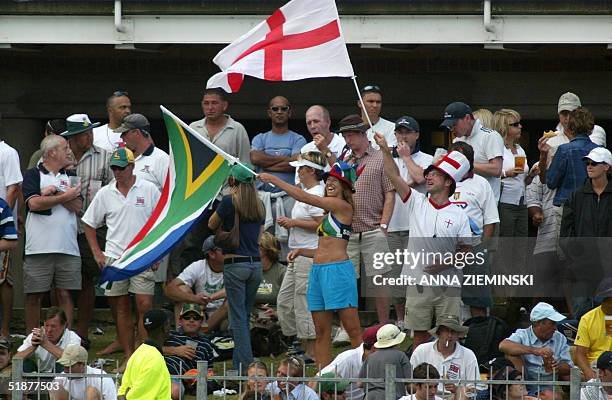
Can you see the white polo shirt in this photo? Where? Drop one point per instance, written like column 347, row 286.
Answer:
column 47, row 360
column 434, row 229
column 199, row 276
column 152, row 165
column 462, row 364
column 387, row 128
column 400, row 220
column 77, row 387
column 124, row 216
column 300, row 238
column 475, row 196
column 347, row 365
column 336, row 146
column 487, row 144
column 106, row 138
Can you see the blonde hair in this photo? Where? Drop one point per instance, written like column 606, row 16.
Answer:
column 502, row 120
column 317, row 158
column 485, row 116
column 246, row 201
column 269, row 245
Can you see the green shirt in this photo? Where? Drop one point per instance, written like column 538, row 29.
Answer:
column 270, row 284
column 146, row 376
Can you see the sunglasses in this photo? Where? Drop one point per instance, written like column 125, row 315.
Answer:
column 593, row 163
column 120, row 93
column 371, row 88
column 191, row 318
column 516, row 124
column 277, row 108
column 117, row 168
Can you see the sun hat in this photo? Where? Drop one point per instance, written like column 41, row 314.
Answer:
column 389, row 335
column 344, row 172
column 78, row 123
column 451, row 322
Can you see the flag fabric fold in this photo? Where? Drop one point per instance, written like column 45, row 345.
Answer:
column 195, row 177
column 301, row 40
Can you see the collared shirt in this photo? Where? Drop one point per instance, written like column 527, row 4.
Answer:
column 348, row 365
column 10, row 171
column 387, row 128
column 567, row 171
column 592, row 334
column 45, row 360
column 534, row 365
column 336, row 146
column 95, row 172
column 232, row 138
column 300, row 392
column 475, row 196
column 152, row 166
column 106, row 138
column 204, row 351
column 370, row 189
column 77, row 387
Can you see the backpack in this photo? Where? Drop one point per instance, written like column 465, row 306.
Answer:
column 484, row 337
column 268, row 342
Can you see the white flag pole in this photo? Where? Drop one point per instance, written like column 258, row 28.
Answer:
column 364, row 111
column 208, row 143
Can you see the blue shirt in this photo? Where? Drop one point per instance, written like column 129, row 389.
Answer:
column 249, row 231
column 280, row 145
column 567, row 171
column 7, row 224
column 534, row 365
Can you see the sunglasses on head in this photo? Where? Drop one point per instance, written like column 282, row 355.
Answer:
column 591, row 162
column 280, row 108
column 371, row 88
column 120, row 93
column 515, row 124
column 118, row 168
column 191, row 317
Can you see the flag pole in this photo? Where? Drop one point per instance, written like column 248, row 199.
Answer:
column 211, row 145
column 364, row 111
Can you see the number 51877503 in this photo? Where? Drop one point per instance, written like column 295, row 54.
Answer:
column 32, row 386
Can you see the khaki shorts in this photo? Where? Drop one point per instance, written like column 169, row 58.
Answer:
column 6, row 263
column 143, row 283
column 361, row 249
column 40, row 271
column 425, row 303
column 292, row 304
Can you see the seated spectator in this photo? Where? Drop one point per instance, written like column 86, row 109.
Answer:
column 447, row 355
column 186, row 346
column 333, row 390
column 273, row 271
column 493, row 366
column 5, row 365
column 388, row 338
column 604, row 365
column 511, row 391
column 424, row 391
column 290, row 368
column 202, row 283
column 257, row 389
column 45, row 345
column 348, row 363
column 592, row 340
column 74, row 361
column 540, row 349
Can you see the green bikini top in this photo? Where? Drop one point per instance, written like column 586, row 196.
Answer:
column 330, row 226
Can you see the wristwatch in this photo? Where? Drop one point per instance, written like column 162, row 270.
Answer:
column 384, row 226
column 328, row 154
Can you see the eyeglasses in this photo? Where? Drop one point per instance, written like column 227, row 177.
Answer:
column 5, row 344
column 435, row 173
column 191, row 318
column 118, row 168
column 371, row 88
column 279, row 108
column 516, row 124
column 120, row 93
column 592, row 163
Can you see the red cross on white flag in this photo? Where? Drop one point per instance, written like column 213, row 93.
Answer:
column 300, row 40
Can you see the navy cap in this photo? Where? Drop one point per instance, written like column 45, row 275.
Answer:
column 154, row 319
column 407, row 122
column 453, row 112
column 604, row 361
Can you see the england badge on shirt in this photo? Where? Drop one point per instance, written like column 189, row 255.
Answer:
column 140, row 201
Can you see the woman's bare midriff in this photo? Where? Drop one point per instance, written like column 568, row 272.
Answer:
column 330, row 250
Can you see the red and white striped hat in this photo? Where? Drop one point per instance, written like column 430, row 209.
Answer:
column 454, row 164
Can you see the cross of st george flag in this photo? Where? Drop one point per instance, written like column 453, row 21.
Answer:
column 195, row 177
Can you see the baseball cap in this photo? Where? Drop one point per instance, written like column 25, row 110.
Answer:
column 369, row 335
column 333, row 387
column 134, row 121
column 189, row 307
column 604, row 361
column 389, row 335
column 568, row 102
column 241, row 174
column 73, row 353
column 599, row 154
column 5, row 344
column 604, row 289
column 545, row 311
column 407, row 122
column 208, row 244
column 122, row 157
column 352, row 123
column 154, row 319
column 453, row 112
column 78, row 123
column 371, row 89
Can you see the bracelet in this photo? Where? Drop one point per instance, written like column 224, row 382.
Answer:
column 503, row 173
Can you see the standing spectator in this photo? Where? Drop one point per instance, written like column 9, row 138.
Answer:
column 372, row 99
column 94, row 172
column 52, row 127
column 293, row 315
column 540, row 349
column 8, row 242
column 74, row 361
column 374, row 199
column 410, row 162
column 485, row 116
column 331, row 145
column 242, row 271
column 51, row 249
column 332, row 284
column 447, row 355
column 125, row 206
column 488, row 144
column 186, row 346
column 146, row 375
column 10, row 191
column 118, row 106
column 45, row 344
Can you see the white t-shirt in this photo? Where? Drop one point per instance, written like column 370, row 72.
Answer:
column 76, row 387
column 387, row 128
column 400, row 220
column 347, row 365
column 47, row 360
column 513, row 187
column 593, row 392
column 300, row 238
column 106, row 138
column 199, row 276
column 434, row 229
column 487, row 144
column 124, row 216
column 413, row 397
column 152, row 166
column 475, row 196
column 10, row 171
column 335, row 146
column 462, row 364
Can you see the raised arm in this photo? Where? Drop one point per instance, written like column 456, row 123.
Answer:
column 401, row 187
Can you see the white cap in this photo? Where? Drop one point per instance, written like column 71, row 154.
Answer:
column 568, row 102
column 453, row 164
column 305, row 163
column 545, row 311
column 389, row 335
column 600, row 154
